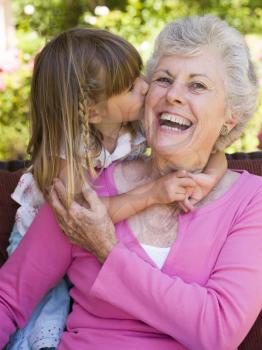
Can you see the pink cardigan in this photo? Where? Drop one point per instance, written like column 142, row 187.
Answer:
column 206, row 296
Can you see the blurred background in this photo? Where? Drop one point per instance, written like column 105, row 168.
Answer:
column 26, row 25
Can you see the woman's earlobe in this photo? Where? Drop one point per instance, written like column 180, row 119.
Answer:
column 224, row 131
column 231, row 122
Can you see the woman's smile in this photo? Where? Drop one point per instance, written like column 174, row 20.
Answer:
column 174, row 122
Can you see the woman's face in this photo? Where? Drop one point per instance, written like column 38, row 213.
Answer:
column 186, row 108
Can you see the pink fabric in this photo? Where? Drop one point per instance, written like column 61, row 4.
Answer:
column 206, row 296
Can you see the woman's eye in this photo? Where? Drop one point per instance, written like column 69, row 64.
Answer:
column 164, row 80
column 198, row 86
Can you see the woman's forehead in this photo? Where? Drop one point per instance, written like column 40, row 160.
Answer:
column 207, row 64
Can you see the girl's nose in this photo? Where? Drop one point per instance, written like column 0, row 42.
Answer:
column 144, row 85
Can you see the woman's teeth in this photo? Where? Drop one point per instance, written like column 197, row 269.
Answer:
column 174, row 122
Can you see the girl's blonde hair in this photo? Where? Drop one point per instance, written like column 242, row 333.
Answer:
column 75, row 70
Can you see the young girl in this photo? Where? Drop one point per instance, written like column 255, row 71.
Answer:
column 87, row 97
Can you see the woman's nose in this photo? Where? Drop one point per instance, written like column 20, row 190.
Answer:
column 175, row 94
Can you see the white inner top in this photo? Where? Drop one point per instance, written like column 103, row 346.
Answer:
column 157, row 254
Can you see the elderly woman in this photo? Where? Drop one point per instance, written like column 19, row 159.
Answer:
column 168, row 280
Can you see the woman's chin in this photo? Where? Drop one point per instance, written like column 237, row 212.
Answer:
column 171, row 140
column 184, row 150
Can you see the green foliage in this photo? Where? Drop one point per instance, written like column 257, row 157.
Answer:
column 142, row 20
column 139, row 21
column 14, row 114
column 50, row 17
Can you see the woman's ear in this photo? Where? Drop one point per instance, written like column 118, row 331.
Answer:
column 94, row 116
column 231, row 121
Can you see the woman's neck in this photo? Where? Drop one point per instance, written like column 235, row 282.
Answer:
column 160, row 167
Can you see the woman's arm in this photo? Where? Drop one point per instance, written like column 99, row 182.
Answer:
column 216, row 315
column 31, row 271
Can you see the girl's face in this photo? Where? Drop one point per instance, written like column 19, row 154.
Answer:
column 186, row 108
column 125, row 107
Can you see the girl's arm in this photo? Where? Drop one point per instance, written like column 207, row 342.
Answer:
column 98, row 213
column 167, row 189
column 216, row 166
column 174, row 187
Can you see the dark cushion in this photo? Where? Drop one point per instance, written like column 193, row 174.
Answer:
column 254, row 166
column 253, row 340
column 8, row 182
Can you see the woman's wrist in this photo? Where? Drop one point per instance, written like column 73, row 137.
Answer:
column 104, row 253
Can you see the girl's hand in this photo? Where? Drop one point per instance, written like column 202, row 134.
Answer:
column 87, row 224
column 174, row 187
column 204, row 183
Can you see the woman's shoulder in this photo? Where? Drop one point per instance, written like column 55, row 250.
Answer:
column 249, row 180
column 236, row 191
column 244, row 186
column 251, row 184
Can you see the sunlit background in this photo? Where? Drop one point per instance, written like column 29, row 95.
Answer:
column 25, row 26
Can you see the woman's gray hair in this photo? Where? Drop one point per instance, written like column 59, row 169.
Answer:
column 188, row 37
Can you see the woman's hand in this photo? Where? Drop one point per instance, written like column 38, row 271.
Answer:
column 87, row 224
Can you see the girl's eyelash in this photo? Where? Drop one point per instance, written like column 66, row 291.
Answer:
column 131, row 87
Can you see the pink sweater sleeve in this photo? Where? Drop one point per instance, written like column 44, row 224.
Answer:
column 41, row 259
column 217, row 315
